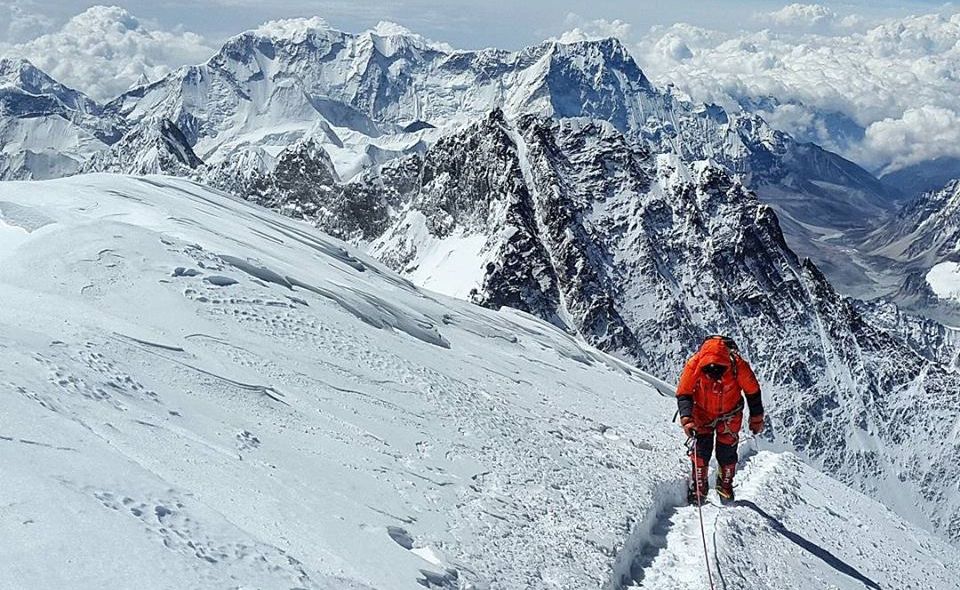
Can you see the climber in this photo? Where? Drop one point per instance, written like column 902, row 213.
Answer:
column 710, row 402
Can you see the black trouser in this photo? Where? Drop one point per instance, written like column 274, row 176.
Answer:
column 726, row 453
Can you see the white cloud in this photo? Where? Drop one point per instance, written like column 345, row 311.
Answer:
column 292, row 27
column 918, row 135
column 881, row 79
column 582, row 29
column 808, row 17
column 21, row 20
column 103, row 50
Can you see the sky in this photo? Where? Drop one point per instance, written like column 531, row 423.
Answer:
column 467, row 24
column 877, row 81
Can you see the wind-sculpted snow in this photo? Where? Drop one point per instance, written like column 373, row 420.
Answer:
column 311, row 420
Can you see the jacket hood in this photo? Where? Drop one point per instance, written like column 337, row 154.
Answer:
column 714, row 352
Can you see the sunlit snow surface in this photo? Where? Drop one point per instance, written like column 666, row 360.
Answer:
column 197, row 393
column 944, row 280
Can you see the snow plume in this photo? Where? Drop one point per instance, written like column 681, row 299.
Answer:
column 581, row 29
column 825, row 77
column 392, row 29
column 104, row 49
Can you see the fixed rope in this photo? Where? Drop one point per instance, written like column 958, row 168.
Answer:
column 692, row 452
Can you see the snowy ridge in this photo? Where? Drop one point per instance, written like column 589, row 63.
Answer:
column 804, row 523
column 219, row 395
column 295, row 405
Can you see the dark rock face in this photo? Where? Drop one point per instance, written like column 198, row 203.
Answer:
column 154, row 146
column 643, row 255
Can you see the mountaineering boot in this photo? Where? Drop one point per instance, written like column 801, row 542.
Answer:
column 725, row 483
column 698, row 479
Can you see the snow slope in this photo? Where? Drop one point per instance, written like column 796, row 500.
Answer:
column 199, row 393
column 303, row 424
column 782, row 533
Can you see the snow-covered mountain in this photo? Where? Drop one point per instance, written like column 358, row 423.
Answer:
column 923, row 244
column 925, row 232
column 215, row 395
column 46, row 129
column 372, row 96
column 558, row 180
column 153, row 146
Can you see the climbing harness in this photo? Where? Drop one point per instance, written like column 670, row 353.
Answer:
column 726, row 418
column 692, row 452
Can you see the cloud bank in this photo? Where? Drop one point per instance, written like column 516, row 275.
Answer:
column 885, row 94
column 104, row 50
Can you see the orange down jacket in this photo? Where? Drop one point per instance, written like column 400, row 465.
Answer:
column 714, row 398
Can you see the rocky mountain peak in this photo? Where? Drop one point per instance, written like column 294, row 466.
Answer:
column 20, row 76
column 154, row 146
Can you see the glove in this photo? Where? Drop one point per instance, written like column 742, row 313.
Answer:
column 756, row 424
column 686, row 422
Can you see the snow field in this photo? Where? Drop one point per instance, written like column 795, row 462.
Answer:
column 198, row 393
column 199, row 432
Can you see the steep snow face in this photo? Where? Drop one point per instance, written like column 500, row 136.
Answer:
column 46, row 129
column 202, row 393
column 643, row 255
